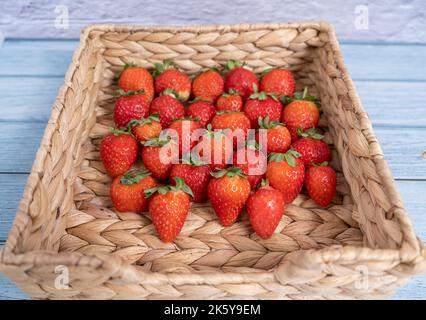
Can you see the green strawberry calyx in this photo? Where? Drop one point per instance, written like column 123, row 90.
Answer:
column 264, row 183
column 301, row 96
column 133, row 177
column 159, row 141
column 322, row 164
column 231, row 92
column 216, row 133
column 155, row 117
column 180, row 185
column 119, row 132
column 228, row 112
column 309, row 133
column 174, row 94
column 289, row 157
column 199, row 99
column 262, row 95
column 159, row 68
column 230, row 172
column 122, row 93
column 192, row 160
column 232, row 64
column 265, row 123
column 253, row 145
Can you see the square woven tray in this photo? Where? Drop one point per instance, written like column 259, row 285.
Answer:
column 362, row 246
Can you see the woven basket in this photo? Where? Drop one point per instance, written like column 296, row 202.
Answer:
column 362, row 246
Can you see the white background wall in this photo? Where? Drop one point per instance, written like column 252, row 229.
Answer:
column 393, row 20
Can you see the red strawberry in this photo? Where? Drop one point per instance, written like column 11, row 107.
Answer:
column 278, row 137
column 215, row 148
column 158, row 160
column 167, row 76
column 260, row 104
column 146, row 128
column 196, row 175
column 240, row 79
column 265, row 209
column 252, row 162
column 168, row 208
column 320, row 182
column 134, row 78
column 208, row 85
column 231, row 101
column 228, row 192
column 279, row 82
column 184, row 129
column 168, row 107
column 235, row 121
column 127, row 192
column 285, row 173
column 118, row 152
column 311, row 147
column 302, row 112
column 130, row 105
column 202, row 110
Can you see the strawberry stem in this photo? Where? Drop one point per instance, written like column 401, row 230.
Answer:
column 132, row 177
column 230, row 172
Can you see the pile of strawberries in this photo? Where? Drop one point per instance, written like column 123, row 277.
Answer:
column 150, row 106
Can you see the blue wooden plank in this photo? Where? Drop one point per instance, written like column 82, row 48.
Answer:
column 36, row 58
column 9, row 291
column 365, row 61
column 27, row 99
column 31, row 99
column 19, row 143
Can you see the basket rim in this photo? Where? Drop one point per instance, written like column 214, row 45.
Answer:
column 410, row 251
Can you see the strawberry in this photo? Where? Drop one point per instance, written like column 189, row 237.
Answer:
column 215, row 148
column 208, row 85
column 130, row 105
column 202, row 110
column 320, row 182
column 196, row 175
column 278, row 137
column 134, row 78
column 167, row 76
column 168, row 208
column 183, row 131
column 168, row 107
column 127, row 192
column 302, row 112
column 146, row 128
column 265, row 208
column 279, row 82
column 118, row 152
column 237, row 123
column 252, row 162
column 229, row 101
column 261, row 104
column 240, row 79
column 158, row 160
column 311, row 147
column 285, row 173
column 228, row 192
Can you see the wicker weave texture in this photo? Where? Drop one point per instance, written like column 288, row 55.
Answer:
column 66, row 219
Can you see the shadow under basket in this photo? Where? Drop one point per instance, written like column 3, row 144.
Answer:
column 361, row 246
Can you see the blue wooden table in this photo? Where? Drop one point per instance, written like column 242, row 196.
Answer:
column 390, row 79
